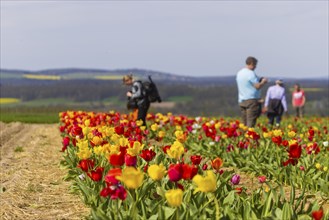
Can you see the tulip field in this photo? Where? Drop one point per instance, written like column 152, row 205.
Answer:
column 180, row 167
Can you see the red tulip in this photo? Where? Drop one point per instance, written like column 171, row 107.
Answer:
column 196, row 159
column 76, row 131
column 119, row 130
column 262, row 179
column 86, row 164
column 118, row 159
column 165, row 148
column 295, row 151
column 317, row 215
column 147, row 155
column 97, row 174
column 189, row 171
column 238, row 190
column 130, row 160
column 175, row 172
column 110, row 176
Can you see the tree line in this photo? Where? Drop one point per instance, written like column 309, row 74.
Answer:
column 212, row 100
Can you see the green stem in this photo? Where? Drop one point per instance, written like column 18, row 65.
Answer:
column 177, row 213
column 217, row 207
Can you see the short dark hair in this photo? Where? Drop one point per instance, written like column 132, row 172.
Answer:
column 251, row 60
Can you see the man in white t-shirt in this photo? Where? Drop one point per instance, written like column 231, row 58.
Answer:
column 249, row 86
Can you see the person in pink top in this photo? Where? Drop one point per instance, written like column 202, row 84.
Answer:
column 298, row 100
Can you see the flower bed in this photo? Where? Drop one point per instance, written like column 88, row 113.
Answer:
column 191, row 168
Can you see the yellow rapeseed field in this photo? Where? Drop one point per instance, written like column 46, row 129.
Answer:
column 41, row 77
column 8, row 100
column 109, row 77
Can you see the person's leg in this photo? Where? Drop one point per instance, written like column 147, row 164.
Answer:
column 297, row 111
column 252, row 112
column 270, row 118
column 301, row 110
column 142, row 112
column 243, row 110
column 278, row 120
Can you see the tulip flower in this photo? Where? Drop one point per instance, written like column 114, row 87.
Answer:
column 135, row 149
column 130, row 160
column 156, row 172
column 147, row 155
column 174, row 197
column 262, row 179
column 115, row 192
column 86, row 164
column 175, row 172
column 117, row 159
column 189, row 171
column 217, row 163
column 196, row 159
column 235, row 180
column 205, row 184
column 131, row 177
column 318, row 214
column 176, row 150
column 65, row 142
column 97, row 174
column 110, row 176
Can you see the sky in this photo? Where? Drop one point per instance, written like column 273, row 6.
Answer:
column 189, row 38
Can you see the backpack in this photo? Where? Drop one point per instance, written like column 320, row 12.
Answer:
column 150, row 90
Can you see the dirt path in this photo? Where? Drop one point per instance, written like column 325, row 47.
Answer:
column 30, row 177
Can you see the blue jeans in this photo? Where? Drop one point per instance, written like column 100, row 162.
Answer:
column 271, row 117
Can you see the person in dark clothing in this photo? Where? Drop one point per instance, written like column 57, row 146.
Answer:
column 136, row 94
column 275, row 102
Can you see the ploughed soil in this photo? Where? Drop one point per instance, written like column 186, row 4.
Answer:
column 31, row 181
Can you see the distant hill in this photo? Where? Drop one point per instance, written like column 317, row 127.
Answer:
column 99, row 90
column 26, row 77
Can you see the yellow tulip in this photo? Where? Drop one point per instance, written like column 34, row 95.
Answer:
column 82, row 144
column 291, row 134
column 85, row 130
column 139, row 123
column 84, row 153
column 205, row 184
column 98, row 150
column 131, row 177
column 176, row 150
column 174, row 197
column 156, row 172
column 114, row 149
column 277, row 132
column 97, row 140
column 87, row 122
column 115, row 138
column 123, row 141
column 135, row 149
column 154, row 127
column 161, row 134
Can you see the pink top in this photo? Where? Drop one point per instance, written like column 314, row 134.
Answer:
column 297, row 98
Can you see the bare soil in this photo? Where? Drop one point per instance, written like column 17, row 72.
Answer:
column 31, row 181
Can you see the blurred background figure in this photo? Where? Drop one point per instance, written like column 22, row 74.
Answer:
column 249, row 86
column 275, row 102
column 136, row 100
column 298, row 100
